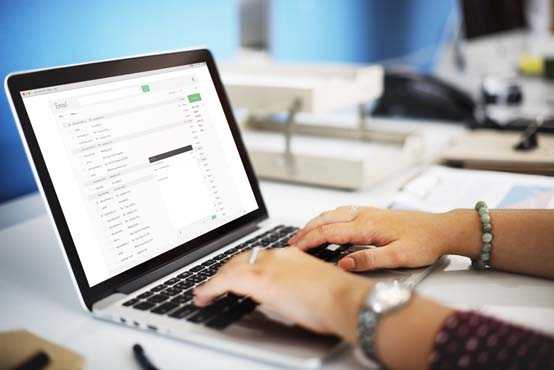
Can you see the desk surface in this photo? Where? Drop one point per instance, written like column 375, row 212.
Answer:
column 37, row 293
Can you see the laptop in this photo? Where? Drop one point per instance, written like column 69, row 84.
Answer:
column 150, row 189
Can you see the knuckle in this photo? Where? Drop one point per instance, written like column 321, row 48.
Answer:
column 322, row 229
column 367, row 233
column 363, row 260
column 398, row 257
column 367, row 259
column 328, row 231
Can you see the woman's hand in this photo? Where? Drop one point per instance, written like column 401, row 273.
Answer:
column 325, row 299
column 406, row 239
column 312, row 293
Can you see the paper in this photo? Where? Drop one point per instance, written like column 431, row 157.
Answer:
column 439, row 189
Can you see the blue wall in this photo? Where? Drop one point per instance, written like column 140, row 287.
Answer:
column 356, row 30
column 35, row 34
column 42, row 33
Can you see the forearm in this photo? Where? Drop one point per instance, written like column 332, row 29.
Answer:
column 523, row 239
column 427, row 335
column 404, row 338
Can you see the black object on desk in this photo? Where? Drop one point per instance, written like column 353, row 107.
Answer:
column 529, row 139
column 141, row 358
column 39, row 361
column 415, row 95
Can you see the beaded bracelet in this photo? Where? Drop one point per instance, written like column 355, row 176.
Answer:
column 485, row 258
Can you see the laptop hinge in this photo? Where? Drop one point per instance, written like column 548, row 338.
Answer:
column 180, row 262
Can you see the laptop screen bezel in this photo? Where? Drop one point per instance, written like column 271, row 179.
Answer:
column 16, row 83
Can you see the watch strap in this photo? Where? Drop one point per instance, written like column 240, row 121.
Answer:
column 367, row 327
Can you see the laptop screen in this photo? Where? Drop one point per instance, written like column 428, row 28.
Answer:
column 141, row 163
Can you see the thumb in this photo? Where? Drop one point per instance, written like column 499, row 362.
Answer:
column 372, row 259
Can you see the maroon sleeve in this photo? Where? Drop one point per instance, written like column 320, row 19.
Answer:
column 470, row 340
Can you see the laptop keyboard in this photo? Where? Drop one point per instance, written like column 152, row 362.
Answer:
column 174, row 296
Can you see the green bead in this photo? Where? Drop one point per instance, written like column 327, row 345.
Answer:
column 478, row 265
column 485, row 218
column 487, row 247
column 487, row 238
column 483, row 211
column 480, row 204
column 485, row 256
column 487, row 227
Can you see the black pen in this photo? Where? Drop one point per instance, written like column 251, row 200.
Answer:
column 143, row 361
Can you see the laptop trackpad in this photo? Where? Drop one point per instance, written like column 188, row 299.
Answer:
column 269, row 332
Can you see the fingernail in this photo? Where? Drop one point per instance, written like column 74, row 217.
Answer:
column 347, row 263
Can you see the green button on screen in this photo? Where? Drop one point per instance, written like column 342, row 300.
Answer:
column 194, row 98
column 145, row 88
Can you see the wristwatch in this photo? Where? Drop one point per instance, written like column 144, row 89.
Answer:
column 384, row 298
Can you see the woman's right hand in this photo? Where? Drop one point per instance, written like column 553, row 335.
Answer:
column 403, row 238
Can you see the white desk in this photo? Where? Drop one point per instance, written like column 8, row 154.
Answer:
column 37, row 294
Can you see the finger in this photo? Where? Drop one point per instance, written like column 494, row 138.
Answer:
column 236, row 276
column 341, row 214
column 232, row 279
column 372, row 259
column 339, row 233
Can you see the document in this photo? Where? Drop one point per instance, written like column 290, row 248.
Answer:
column 439, row 189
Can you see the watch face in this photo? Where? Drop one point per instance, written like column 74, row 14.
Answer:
column 388, row 296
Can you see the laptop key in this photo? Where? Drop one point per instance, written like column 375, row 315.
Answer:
column 233, row 313
column 164, row 308
column 195, row 279
column 184, row 311
column 158, row 298
column 282, row 243
column 247, row 305
column 184, row 285
column 211, row 271
column 180, row 299
column 131, row 302
column 171, row 291
column 145, row 295
column 184, row 274
column 201, row 315
column 157, row 288
column 145, row 305
column 172, row 281
column 215, row 308
column 196, row 268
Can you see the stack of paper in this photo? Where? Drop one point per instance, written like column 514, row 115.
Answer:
column 440, row 189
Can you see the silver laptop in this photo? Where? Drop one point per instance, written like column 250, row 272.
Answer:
column 150, row 188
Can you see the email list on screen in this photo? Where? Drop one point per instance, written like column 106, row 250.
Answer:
column 141, row 163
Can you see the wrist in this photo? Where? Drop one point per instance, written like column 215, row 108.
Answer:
column 461, row 233
column 349, row 299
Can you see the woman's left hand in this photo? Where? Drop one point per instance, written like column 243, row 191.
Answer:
column 295, row 285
